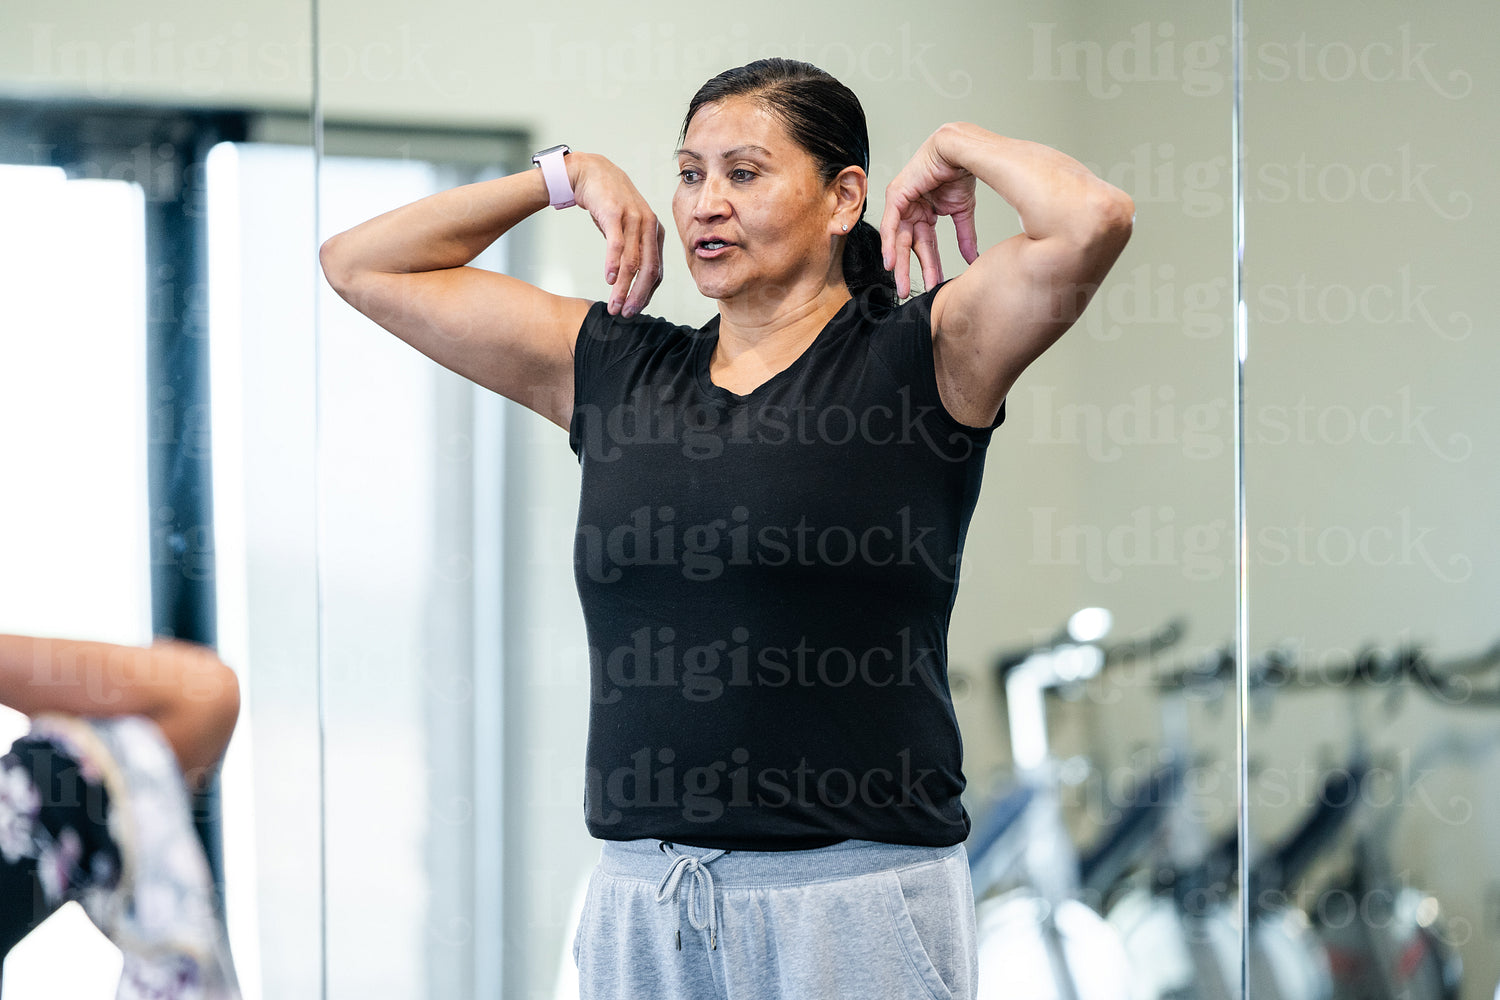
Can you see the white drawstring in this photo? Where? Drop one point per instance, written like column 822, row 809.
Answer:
column 701, row 885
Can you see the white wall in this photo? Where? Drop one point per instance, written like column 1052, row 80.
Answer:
column 227, row 54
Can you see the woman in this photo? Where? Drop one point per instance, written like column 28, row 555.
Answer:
column 772, row 512
column 94, row 808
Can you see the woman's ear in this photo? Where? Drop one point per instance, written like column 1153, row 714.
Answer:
column 847, row 195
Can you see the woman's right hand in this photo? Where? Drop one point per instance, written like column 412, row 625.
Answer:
column 634, row 237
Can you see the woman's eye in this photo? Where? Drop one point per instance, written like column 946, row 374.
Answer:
column 688, row 176
column 741, row 174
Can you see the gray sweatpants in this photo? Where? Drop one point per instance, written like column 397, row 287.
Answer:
column 856, row 920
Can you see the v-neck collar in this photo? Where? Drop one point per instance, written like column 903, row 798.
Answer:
column 710, row 340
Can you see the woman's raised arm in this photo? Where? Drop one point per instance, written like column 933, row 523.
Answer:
column 1020, row 295
column 406, row 270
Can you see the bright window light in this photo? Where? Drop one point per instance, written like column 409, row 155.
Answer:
column 74, row 524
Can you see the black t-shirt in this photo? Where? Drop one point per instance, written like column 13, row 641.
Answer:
column 767, row 582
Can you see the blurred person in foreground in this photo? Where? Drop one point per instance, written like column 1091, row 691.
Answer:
column 95, row 807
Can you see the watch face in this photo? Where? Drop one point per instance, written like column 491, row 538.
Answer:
column 548, row 151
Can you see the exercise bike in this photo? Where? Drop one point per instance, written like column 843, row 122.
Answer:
column 1386, row 940
column 1037, row 939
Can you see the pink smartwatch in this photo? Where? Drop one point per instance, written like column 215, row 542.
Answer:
column 555, row 173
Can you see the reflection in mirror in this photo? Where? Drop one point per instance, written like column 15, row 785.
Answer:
column 1371, row 448
column 158, row 192
column 1100, row 767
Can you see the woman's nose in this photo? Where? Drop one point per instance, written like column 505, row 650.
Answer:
column 712, row 202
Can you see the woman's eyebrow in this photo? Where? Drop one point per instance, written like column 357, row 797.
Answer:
column 728, row 154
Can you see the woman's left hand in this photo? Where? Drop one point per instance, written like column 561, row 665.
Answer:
column 928, row 187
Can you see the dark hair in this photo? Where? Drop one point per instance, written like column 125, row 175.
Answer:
column 825, row 118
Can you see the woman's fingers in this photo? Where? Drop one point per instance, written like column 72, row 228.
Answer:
column 661, row 262
column 926, row 189
column 641, row 267
column 924, row 242
column 633, row 238
column 614, row 243
column 661, row 250
column 902, row 260
column 890, row 225
column 896, row 238
column 648, row 276
column 630, row 261
column 968, row 238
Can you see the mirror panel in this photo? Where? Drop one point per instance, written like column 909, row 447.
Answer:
column 1371, row 449
column 1110, row 484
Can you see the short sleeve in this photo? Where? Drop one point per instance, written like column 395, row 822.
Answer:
column 604, row 342
column 907, row 346
column 588, row 355
column 601, row 343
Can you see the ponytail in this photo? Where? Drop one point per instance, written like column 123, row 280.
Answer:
column 864, row 269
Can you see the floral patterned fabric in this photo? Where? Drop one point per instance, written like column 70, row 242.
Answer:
column 96, row 810
column 54, row 834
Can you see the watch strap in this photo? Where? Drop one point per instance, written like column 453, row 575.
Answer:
column 555, row 173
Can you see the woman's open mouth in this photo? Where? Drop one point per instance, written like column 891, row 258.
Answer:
column 711, row 248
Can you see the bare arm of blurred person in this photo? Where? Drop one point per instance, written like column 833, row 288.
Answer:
column 184, row 688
